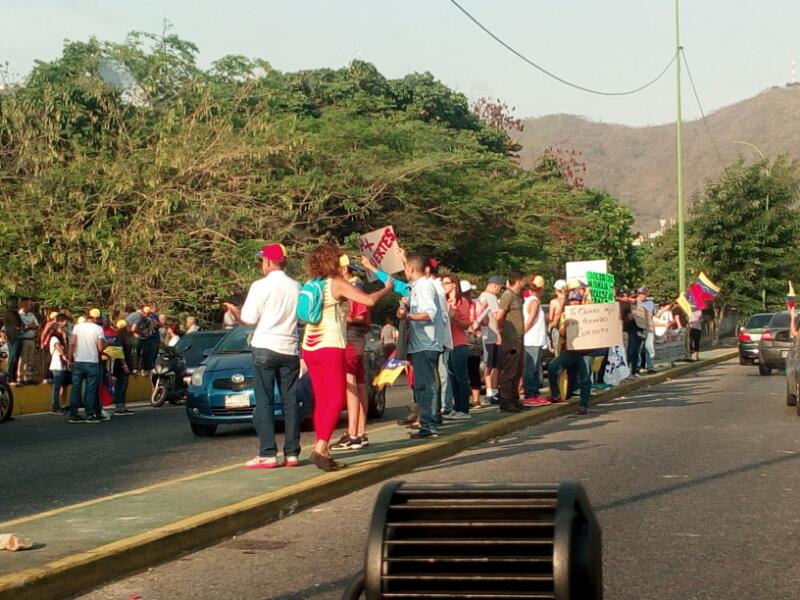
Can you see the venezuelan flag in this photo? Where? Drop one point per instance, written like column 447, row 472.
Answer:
column 391, row 370
column 700, row 293
column 790, row 297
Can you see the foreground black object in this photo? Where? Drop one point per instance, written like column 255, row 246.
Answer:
column 482, row 542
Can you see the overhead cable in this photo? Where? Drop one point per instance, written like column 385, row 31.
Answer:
column 553, row 75
column 702, row 113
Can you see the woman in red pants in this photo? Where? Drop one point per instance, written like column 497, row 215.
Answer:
column 324, row 347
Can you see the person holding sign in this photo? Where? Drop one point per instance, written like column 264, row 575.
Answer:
column 568, row 358
column 324, row 347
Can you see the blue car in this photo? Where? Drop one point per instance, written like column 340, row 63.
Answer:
column 221, row 388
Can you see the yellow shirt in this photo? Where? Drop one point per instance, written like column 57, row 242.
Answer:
column 331, row 331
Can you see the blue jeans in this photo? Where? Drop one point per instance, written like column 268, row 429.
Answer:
column 532, row 378
column 268, row 368
column 426, row 364
column 563, row 362
column 58, row 385
column 458, row 376
column 648, row 349
column 634, row 351
column 88, row 373
column 14, row 352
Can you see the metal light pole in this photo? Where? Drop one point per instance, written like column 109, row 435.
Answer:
column 679, row 145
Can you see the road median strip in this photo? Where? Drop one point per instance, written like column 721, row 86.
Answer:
column 88, row 567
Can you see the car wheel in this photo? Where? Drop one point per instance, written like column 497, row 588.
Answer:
column 6, row 403
column 764, row 370
column 203, row 430
column 791, row 399
column 377, row 403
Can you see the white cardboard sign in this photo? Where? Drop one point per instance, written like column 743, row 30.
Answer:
column 578, row 269
column 380, row 246
column 591, row 326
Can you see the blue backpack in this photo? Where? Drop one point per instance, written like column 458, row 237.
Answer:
column 311, row 301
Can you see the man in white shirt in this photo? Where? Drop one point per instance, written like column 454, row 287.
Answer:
column 85, row 346
column 30, row 325
column 271, row 306
column 445, row 397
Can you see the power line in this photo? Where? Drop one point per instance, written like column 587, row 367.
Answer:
column 553, row 75
column 702, row 113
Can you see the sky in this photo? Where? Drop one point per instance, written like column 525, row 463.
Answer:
column 735, row 49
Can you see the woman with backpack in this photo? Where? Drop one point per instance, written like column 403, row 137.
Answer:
column 324, row 344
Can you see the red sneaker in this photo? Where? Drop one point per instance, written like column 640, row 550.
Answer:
column 262, row 463
column 292, row 461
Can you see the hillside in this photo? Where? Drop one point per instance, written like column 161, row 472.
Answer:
column 637, row 164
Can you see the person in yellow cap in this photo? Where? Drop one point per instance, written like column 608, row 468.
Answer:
column 85, row 347
column 122, row 370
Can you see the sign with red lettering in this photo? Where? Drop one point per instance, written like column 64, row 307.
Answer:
column 380, row 246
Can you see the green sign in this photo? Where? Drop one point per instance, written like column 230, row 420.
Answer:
column 601, row 286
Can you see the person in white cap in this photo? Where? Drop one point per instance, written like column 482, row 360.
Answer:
column 475, row 345
column 554, row 313
column 535, row 339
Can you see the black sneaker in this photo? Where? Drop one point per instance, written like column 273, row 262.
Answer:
column 91, row 419
column 345, row 437
column 364, row 441
column 423, row 433
column 510, row 407
column 347, row 445
column 123, row 412
column 76, row 419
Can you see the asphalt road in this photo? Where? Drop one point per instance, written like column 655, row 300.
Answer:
column 48, row 463
column 695, row 483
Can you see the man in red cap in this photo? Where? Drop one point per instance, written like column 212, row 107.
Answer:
column 271, row 306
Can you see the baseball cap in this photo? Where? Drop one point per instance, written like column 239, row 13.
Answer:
column 641, row 290
column 575, row 296
column 53, row 314
column 273, row 252
column 121, row 324
column 497, row 280
column 147, row 309
column 465, row 286
column 573, row 284
column 94, row 313
column 537, row 281
column 560, row 284
column 344, row 260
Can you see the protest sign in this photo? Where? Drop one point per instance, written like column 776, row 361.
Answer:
column 591, row 326
column 380, row 246
column 601, row 286
column 578, row 269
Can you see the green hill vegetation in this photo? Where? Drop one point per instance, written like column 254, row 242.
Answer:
column 128, row 173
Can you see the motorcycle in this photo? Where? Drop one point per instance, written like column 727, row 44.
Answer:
column 168, row 378
column 6, row 397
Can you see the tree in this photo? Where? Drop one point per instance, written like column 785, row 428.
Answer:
column 744, row 226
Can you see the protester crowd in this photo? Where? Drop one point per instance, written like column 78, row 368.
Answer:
column 92, row 353
column 447, row 331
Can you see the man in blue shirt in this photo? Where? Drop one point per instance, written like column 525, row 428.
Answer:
column 424, row 314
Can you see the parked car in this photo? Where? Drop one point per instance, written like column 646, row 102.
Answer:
column 750, row 335
column 774, row 345
column 195, row 347
column 793, row 375
column 221, row 388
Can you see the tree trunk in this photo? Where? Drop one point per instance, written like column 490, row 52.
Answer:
column 718, row 317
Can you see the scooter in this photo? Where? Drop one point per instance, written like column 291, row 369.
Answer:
column 168, row 377
column 6, row 396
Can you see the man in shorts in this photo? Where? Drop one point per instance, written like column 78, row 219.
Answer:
column 491, row 337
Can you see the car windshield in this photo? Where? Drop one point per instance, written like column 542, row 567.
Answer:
column 197, row 343
column 237, row 340
column 780, row 320
column 759, row 321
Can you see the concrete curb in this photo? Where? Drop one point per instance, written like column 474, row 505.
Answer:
column 89, row 569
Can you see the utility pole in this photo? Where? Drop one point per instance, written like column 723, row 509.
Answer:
column 679, row 146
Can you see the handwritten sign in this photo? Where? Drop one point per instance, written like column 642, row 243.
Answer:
column 380, row 246
column 577, row 270
column 591, row 326
column 601, row 286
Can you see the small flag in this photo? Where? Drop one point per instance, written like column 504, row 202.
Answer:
column 391, row 370
column 700, row 293
column 790, row 297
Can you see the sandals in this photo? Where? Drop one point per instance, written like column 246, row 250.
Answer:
column 325, row 463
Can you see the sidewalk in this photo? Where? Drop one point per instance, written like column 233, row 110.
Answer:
column 83, row 545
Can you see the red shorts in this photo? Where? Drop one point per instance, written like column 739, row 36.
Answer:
column 354, row 362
